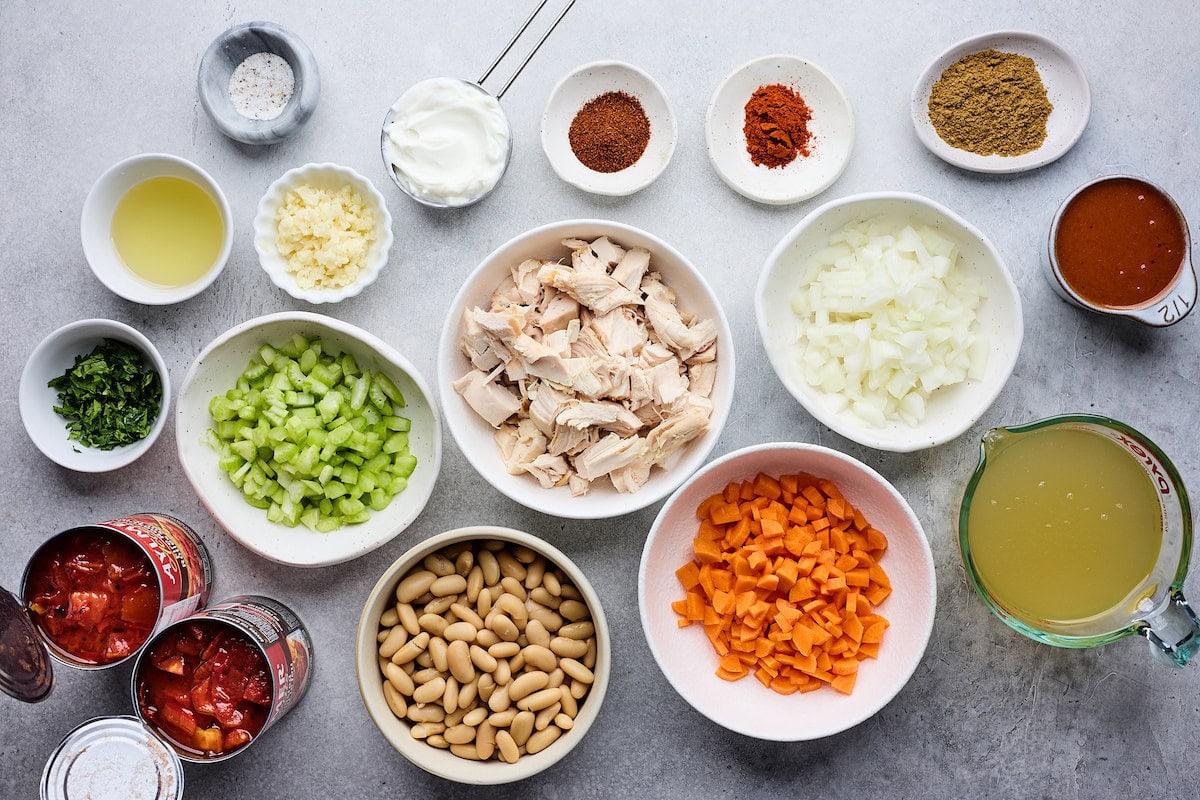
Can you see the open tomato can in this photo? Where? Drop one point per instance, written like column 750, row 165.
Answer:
column 97, row 593
column 211, row 684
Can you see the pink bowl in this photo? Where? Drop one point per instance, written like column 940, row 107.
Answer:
column 687, row 658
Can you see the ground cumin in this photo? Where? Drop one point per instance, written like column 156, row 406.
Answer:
column 991, row 103
column 776, row 126
column 610, row 132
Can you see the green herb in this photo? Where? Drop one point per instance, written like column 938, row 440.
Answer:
column 109, row 397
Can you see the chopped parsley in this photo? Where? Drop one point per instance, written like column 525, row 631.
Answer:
column 109, row 398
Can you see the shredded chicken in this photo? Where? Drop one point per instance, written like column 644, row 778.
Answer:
column 589, row 369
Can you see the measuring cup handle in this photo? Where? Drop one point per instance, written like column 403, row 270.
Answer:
column 1174, row 632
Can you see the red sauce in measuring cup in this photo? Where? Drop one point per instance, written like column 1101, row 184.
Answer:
column 93, row 594
column 205, row 686
column 1120, row 243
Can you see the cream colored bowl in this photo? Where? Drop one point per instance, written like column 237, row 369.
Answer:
column 441, row 762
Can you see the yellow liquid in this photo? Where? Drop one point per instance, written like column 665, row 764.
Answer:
column 1063, row 525
column 168, row 231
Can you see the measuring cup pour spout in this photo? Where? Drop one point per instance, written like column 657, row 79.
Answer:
column 1174, row 631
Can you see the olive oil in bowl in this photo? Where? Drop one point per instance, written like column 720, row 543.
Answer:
column 168, row 231
column 1064, row 525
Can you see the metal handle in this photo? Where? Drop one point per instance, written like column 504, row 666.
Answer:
column 529, row 57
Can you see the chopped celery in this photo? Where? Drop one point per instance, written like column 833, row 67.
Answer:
column 310, row 437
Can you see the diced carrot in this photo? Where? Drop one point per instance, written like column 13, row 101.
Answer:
column 784, row 581
column 689, row 575
column 844, row 683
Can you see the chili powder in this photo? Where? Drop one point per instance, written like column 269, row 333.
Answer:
column 776, row 126
column 610, row 132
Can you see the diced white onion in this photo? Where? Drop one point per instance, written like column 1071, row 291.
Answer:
column 887, row 319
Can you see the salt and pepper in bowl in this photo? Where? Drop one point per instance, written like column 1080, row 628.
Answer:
column 258, row 83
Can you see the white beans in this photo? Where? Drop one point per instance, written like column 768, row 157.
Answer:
column 488, row 652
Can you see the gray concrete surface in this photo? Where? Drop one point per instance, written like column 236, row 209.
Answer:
column 987, row 714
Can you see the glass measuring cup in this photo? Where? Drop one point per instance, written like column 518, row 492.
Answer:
column 1156, row 608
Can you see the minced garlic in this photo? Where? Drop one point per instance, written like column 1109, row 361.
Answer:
column 324, row 235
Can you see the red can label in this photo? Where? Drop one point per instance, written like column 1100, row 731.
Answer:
column 284, row 641
column 181, row 559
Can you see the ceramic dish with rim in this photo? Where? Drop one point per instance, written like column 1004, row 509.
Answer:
column 950, row 410
column 326, row 176
column 224, row 55
column 50, row 359
column 832, row 128
column 1066, row 88
column 96, row 227
column 474, row 435
column 585, row 83
column 688, row 659
column 217, row 369
column 441, row 762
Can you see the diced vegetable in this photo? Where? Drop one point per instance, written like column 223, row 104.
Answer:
column 311, row 437
column 785, row 581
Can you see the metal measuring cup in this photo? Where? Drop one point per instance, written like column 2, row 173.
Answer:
column 1169, row 307
column 388, row 165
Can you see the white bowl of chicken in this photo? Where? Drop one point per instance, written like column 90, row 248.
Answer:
column 586, row 369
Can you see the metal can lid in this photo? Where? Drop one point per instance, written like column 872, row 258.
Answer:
column 113, row 757
column 25, row 671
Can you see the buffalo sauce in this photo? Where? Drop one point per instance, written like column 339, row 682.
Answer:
column 1120, row 243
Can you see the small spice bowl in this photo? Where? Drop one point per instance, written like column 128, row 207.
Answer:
column 325, row 176
column 1066, row 89
column 50, row 359
column 228, row 51
column 1178, row 293
column 586, row 83
column 831, row 126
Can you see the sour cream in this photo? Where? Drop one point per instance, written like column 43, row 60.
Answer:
column 448, row 141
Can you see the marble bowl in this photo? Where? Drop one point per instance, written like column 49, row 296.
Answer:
column 217, row 369
column 36, row 401
column 443, row 763
column 222, row 58
column 688, row 659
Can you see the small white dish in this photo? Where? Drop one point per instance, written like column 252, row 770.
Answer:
column 96, row 227
column 443, row 763
column 686, row 656
column 475, row 436
column 216, row 370
column 1066, row 88
column 832, row 128
column 951, row 410
column 585, row 83
column 53, row 356
column 326, row 176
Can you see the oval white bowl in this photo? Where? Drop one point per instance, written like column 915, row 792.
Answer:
column 50, row 359
column 327, row 176
column 951, row 410
column 585, row 83
column 441, row 762
column 832, row 128
column 95, row 225
column 686, row 656
column 474, row 435
column 1066, row 88
column 216, row 370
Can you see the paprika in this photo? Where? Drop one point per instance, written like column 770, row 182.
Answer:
column 776, row 126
